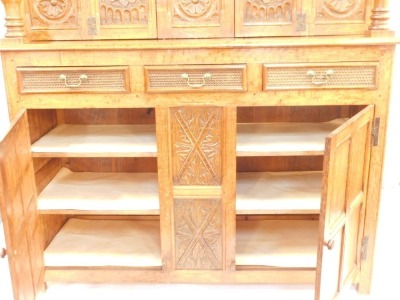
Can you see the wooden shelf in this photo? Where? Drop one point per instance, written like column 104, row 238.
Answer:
column 101, row 193
column 96, row 243
column 97, row 141
column 290, row 138
column 278, row 193
column 277, row 243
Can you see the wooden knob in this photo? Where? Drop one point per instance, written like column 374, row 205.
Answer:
column 3, row 253
column 330, row 244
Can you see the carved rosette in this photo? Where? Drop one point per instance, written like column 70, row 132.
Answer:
column 268, row 11
column 123, row 12
column 196, row 11
column 340, row 10
column 196, row 145
column 198, row 234
column 54, row 13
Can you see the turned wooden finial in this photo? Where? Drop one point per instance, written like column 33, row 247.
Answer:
column 380, row 15
column 14, row 20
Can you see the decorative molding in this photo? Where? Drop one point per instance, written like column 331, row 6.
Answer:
column 196, row 11
column 122, row 12
column 198, row 234
column 196, row 142
column 14, row 21
column 51, row 13
column 268, row 11
column 340, row 10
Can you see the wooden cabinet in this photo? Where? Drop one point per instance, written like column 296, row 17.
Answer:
column 246, row 160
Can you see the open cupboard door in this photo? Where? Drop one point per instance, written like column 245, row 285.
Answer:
column 346, row 168
column 18, row 208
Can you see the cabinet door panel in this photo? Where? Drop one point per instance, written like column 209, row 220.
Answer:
column 199, row 19
column 122, row 19
column 18, row 208
column 346, row 168
column 268, row 18
column 331, row 17
column 56, row 20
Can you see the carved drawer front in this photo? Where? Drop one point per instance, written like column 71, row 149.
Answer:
column 202, row 78
column 320, row 76
column 73, row 79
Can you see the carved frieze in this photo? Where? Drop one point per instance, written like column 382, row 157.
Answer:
column 196, row 11
column 340, row 10
column 54, row 13
column 196, row 145
column 198, row 234
column 268, row 11
column 117, row 12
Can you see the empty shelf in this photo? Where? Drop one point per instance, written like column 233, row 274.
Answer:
column 290, row 138
column 97, row 141
column 278, row 192
column 277, row 243
column 119, row 193
column 98, row 243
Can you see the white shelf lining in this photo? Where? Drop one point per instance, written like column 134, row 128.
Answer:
column 102, row 243
column 101, row 192
column 277, row 243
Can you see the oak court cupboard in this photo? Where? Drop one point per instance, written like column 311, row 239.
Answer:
column 194, row 141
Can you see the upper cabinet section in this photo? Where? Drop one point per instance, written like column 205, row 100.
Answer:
column 171, row 19
column 301, row 17
column 195, row 18
column 90, row 19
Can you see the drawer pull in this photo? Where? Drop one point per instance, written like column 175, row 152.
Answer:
column 320, row 79
column 82, row 78
column 330, row 244
column 206, row 77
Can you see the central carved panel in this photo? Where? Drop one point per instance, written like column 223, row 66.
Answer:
column 198, row 234
column 54, row 13
column 123, row 12
column 340, row 10
column 268, row 11
column 196, row 145
column 196, row 11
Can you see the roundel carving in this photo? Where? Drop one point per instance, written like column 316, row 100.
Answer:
column 341, row 8
column 53, row 11
column 194, row 8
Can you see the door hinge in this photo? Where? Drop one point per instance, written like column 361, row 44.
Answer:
column 301, row 22
column 92, row 27
column 364, row 248
column 375, row 132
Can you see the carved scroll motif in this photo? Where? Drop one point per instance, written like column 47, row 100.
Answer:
column 340, row 9
column 196, row 11
column 50, row 13
column 196, row 142
column 198, row 234
column 268, row 11
column 117, row 12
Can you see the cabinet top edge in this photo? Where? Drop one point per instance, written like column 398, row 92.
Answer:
column 18, row 45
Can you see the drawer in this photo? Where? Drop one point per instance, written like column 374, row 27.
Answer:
column 73, row 79
column 320, row 76
column 198, row 78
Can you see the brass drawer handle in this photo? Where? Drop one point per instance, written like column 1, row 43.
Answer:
column 321, row 78
column 3, row 253
column 82, row 78
column 206, row 77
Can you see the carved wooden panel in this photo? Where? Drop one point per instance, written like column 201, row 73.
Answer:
column 198, row 234
column 196, row 11
column 123, row 12
column 268, row 11
column 196, row 134
column 48, row 14
column 340, row 10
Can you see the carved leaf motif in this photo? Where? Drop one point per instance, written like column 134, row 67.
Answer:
column 113, row 12
column 196, row 140
column 198, row 238
column 196, row 11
